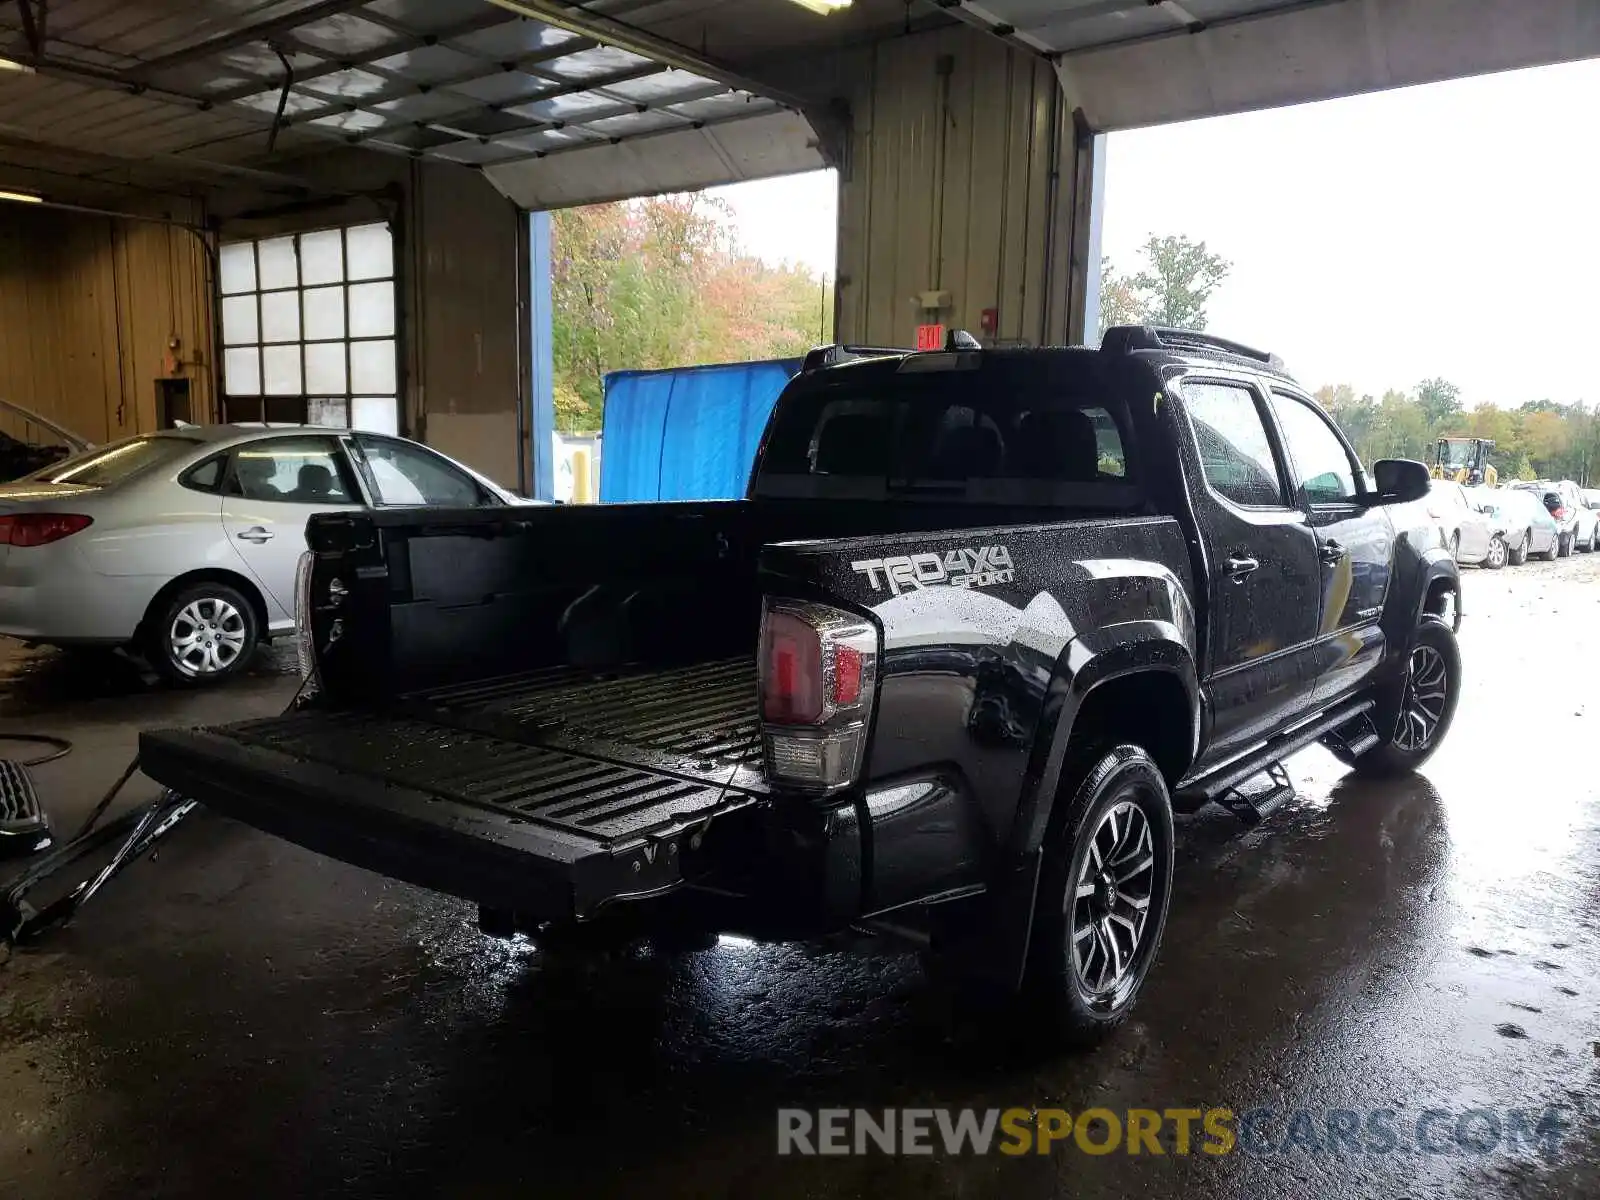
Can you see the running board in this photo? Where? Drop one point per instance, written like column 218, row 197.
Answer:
column 1355, row 739
column 1252, row 808
column 1214, row 786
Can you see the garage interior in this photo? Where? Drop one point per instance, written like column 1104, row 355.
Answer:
column 329, row 211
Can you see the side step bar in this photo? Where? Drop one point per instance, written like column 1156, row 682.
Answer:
column 1217, row 785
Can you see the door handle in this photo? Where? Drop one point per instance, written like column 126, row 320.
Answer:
column 1331, row 552
column 256, row 535
column 1239, row 568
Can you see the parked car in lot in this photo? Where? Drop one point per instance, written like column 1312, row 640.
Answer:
column 1464, row 529
column 183, row 544
column 986, row 618
column 1520, row 520
column 1564, row 502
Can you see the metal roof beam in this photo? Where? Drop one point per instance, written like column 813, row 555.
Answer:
column 575, row 18
column 232, row 40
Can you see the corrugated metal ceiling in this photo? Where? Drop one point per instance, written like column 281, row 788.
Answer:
column 189, row 91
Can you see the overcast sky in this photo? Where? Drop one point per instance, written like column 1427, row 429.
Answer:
column 1378, row 241
column 792, row 219
column 1448, row 230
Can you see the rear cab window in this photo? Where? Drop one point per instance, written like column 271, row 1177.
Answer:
column 977, row 428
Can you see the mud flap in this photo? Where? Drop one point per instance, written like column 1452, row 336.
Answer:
column 981, row 942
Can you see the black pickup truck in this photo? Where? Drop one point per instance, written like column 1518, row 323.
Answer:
column 985, row 619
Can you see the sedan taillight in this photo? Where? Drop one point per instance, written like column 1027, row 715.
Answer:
column 40, row 529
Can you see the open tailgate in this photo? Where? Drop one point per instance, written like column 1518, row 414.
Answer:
column 551, row 794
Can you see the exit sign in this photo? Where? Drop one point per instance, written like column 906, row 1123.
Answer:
column 930, row 337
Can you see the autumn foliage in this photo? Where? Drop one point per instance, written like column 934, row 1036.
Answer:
column 662, row 283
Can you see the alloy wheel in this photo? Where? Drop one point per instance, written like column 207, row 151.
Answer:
column 1110, row 903
column 1497, row 553
column 1427, row 691
column 207, row 636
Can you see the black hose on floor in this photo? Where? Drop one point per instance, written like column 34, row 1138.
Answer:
column 59, row 746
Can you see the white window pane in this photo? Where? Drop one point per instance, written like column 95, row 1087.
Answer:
column 329, row 412
column 324, row 309
column 325, row 367
column 372, row 367
column 278, row 268
column 321, row 257
column 376, row 414
column 239, row 325
column 281, row 369
column 369, row 252
column 372, row 310
column 280, row 317
column 238, row 268
column 242, row 371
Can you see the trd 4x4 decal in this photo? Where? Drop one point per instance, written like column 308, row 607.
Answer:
column 984, row 566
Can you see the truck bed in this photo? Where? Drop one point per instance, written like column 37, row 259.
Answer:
column 559, row 789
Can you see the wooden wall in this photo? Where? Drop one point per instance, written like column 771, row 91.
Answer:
column 88, row 308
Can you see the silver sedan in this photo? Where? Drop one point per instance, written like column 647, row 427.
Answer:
column 183, row 544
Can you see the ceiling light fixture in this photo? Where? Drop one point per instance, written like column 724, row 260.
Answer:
column 22, row 197
column 11, row 64
column 824, row 7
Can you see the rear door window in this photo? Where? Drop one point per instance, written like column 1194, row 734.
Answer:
column 1235, row 451
column 292, row 470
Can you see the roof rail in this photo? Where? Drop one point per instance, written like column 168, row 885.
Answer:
column 832, row 356
column 1125, row 339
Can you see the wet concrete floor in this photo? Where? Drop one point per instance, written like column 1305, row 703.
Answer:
column 238, row 1016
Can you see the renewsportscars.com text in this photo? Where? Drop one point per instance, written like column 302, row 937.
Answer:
column 1174, row 1131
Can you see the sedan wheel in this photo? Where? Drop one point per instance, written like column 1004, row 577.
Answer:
column 203, row 634
column 1497, row 552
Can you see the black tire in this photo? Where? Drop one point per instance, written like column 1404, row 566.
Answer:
column 220, row 651
column 1564, row 545
column 1498, row 555
column 1520, row 555
column 1060, row 985
column 1394, row 756
column 1551, row 554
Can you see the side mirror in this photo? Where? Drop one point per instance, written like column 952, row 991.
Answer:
column 1398, row 481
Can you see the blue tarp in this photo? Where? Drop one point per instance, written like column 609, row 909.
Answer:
column 686, row 434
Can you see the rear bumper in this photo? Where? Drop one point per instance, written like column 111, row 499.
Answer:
column 520, row 863
column 54, row 598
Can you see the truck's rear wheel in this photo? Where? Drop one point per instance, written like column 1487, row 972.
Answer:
column 1102, row 900
column 1431, row 689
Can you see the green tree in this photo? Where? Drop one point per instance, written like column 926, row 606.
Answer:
column 1120, row 301
column 1179, row 280
column 1439, row 399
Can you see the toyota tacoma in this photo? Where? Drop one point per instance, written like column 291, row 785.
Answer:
column 984, row 620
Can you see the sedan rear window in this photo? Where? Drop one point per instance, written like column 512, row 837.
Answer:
column 106, row 465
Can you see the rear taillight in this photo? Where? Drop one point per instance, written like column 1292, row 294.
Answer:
column 40, row 529
column 819, row 669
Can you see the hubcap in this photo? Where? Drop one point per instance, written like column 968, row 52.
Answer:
column 1497, row 552
column 207, row 636
column 1110, row 903
column 1427, row 687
